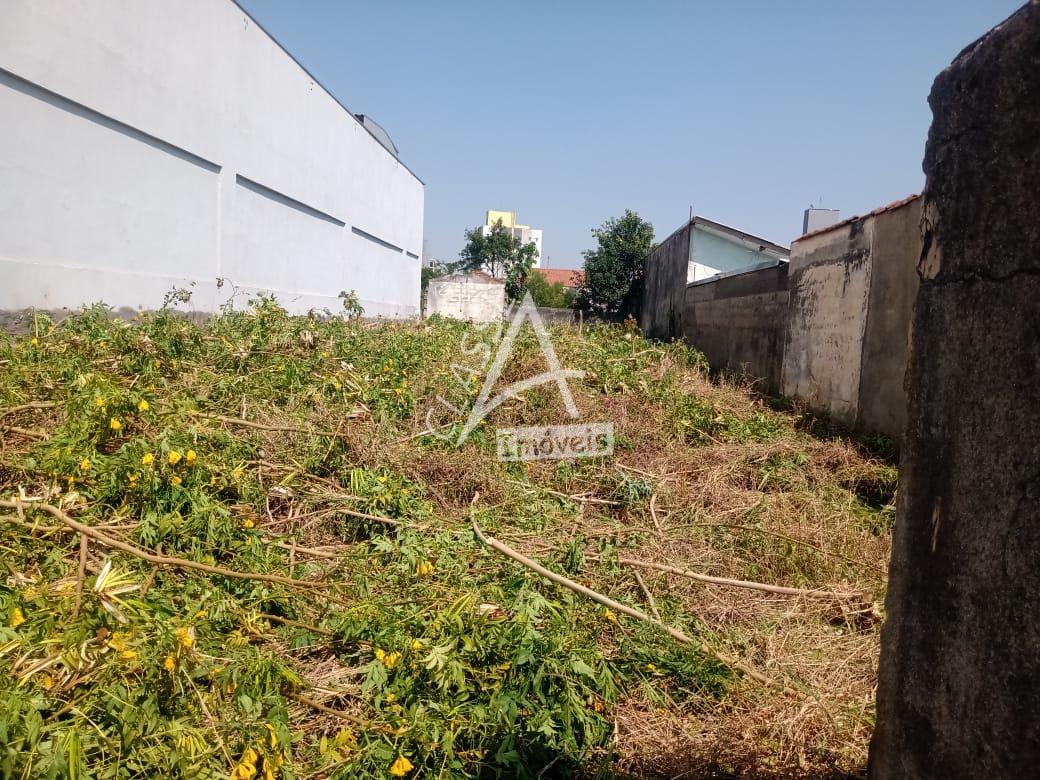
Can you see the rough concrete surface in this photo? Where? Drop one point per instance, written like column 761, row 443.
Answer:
column 893, row 288
column 664, row 286
column 830, row 285
column 959, row 680
column 739, row 323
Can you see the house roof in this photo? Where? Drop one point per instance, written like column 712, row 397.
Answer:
column 568, row 277
column 738, row 235
column 880, row 210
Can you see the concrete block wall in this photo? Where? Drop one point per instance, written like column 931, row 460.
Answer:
column 852, row 290
column 664, row 286
column 739, row 322
column 830, row 328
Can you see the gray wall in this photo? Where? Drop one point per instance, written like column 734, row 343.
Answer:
column 959, row 683
column 830, row 286
column 829, row 328
column 664, row 286
column 893, row 288
column 739, row 322
column 852, row 294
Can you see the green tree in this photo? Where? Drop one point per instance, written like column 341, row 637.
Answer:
column 554, row 296
column 501, row 255
column 613, row 284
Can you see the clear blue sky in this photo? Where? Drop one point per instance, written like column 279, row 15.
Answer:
column 570, row 112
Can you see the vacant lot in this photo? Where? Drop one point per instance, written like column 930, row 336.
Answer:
column 229, row 549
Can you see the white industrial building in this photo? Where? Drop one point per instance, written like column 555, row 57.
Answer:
column 148, row 145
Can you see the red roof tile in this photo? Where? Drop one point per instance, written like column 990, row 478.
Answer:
column 568, row 277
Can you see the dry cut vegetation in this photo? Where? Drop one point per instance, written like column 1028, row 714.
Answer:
column 230, row 549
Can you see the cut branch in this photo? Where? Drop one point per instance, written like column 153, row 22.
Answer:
column 617, row 606
column 261, row 427
column 747, row 584
column 159, row 560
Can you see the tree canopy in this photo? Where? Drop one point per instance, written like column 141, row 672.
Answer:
column 500, row 254
column 554, row 296
column 613, row 284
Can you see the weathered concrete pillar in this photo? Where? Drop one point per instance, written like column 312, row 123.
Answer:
column 959, row 688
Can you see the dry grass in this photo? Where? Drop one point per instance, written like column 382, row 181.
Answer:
column 747, row 495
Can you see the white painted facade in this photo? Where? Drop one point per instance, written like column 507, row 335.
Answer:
column 475, row 297
column 147, row 145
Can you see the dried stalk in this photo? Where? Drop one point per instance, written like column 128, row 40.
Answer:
column 608, row 602
column 160, row 560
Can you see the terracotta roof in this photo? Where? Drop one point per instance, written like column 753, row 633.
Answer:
column 881, row 210
column 568, row 277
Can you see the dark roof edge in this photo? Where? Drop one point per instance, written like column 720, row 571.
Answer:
column 745, row 236
column 763, row 266
column 846, row 222
column 327, row 91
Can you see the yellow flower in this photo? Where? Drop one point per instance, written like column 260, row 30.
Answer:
column 237, row 472
column 416, row 644
column 324, row 354
column 189, row 457
column 128, row 655
column 186, row 636
column 423, row 568
column 380, row 654
column 17, row 617
column 174, row 458
column 401, row 767
column 650, row 667
column 148, row 459
column 390, row 659
column 175, row 480
column 47, row 682
column 34, row 341
column 169, row 664
column 246, row 767
column 99, row 403
column 609, row 616
column 84, row 465
column 143, row 406
column 337, row 385
column 249, row 522
column 390, row 697
column 114, row 424
column 380, row 479
column 133, row 480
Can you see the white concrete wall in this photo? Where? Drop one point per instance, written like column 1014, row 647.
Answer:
column 146, row 145
column 466, row 298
